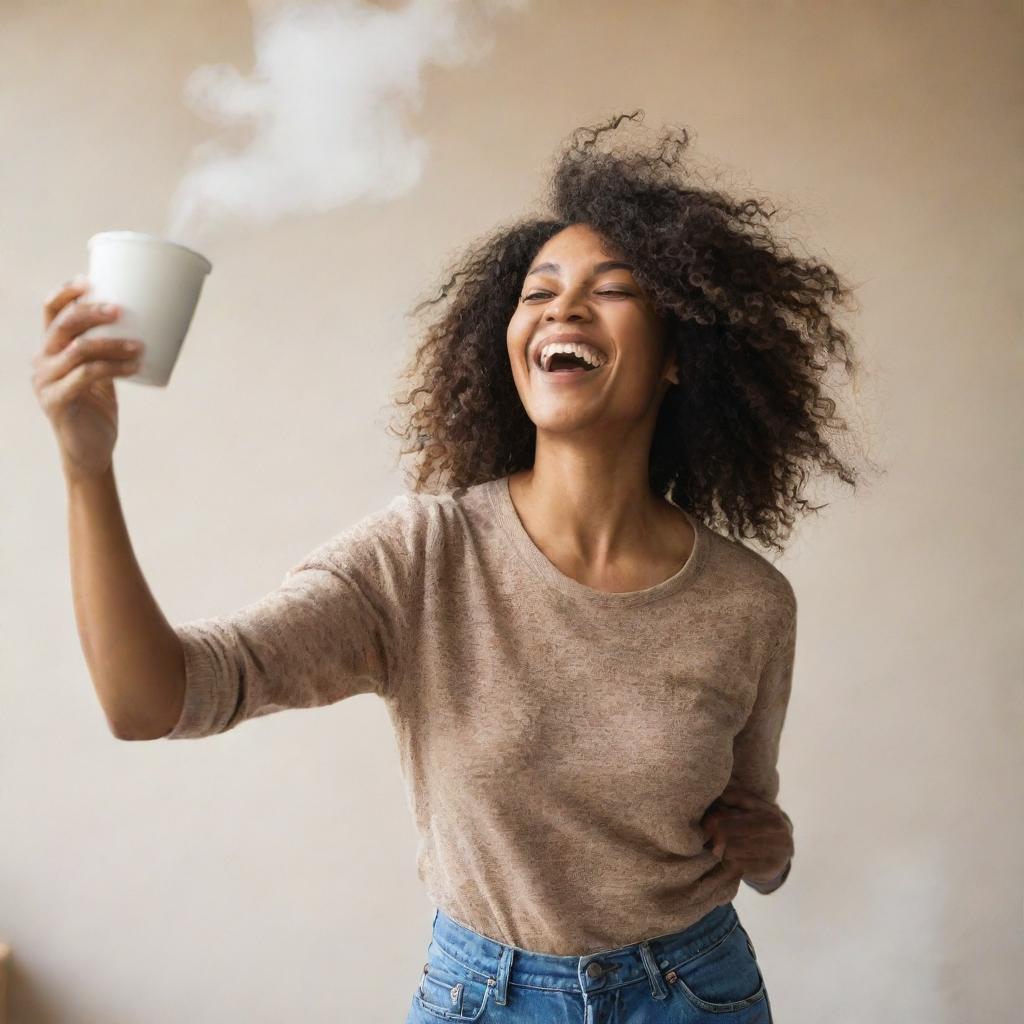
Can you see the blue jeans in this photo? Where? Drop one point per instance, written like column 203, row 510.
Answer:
column 706, row 972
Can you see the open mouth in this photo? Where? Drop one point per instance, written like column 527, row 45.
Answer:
column 566, row 363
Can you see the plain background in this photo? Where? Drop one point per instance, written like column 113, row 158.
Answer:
column 268, row 874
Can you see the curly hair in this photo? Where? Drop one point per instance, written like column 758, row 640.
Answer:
column 751, row 324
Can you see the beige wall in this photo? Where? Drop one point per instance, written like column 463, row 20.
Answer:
column 895, row 127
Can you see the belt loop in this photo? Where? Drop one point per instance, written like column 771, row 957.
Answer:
column 504, row 969
column 658, row 988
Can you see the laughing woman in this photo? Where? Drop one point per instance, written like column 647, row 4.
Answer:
column 586, row 665
column 596, row 669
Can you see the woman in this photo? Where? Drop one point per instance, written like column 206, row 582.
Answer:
column 652, row 658
column 587, row 680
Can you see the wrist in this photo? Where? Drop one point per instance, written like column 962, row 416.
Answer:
column 77, row 480
column 770, row 884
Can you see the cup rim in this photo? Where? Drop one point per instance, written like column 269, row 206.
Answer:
column 142, row 236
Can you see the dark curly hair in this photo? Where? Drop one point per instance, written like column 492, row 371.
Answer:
column 750, row 323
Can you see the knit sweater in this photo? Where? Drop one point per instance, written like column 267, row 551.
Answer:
column 559, row 744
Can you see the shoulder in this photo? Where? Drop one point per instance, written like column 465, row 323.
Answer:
column 415, row 521
column 750, row 568
column 449, row 513
column 398, row 530
column 761, row 590
column 440, row 513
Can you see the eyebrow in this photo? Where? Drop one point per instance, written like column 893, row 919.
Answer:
column 599, row 268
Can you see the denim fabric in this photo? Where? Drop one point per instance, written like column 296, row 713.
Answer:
column 706, row 972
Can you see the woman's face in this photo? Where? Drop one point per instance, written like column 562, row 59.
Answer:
column 567, row 291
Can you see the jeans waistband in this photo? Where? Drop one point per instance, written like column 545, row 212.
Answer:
column 503, row 965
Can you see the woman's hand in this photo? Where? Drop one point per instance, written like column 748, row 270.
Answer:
column 74, row 379
column 753, row 837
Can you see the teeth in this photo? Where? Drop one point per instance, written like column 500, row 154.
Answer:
column 585, row 352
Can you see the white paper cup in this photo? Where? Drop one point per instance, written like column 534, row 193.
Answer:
column 156, row 283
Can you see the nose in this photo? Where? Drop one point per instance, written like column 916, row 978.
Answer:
column 565, row 307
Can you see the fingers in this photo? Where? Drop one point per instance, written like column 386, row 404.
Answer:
column 67, row 357
column 735, row 817
column 60, row 297
column 711, row 828
column 61, row 390
column 73, row 319
column 717, row 845
column 720, row 822
column 715, row 841
column 114, row 353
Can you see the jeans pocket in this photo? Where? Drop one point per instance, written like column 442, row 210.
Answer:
column 723, row 978
column 449, row 990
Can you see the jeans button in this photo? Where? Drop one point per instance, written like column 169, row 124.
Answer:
column 594, row 969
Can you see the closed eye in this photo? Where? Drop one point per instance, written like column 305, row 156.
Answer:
column 534, row 295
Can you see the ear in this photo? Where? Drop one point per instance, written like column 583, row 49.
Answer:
column 672, row 370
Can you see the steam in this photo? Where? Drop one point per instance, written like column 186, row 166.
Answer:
column 326, row 102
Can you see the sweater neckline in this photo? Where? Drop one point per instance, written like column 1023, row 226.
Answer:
column 505, row 512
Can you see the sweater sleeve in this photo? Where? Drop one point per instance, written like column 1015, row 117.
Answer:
column 335, row 627
column 756, row 746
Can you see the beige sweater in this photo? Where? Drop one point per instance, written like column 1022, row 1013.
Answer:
column 560, row 744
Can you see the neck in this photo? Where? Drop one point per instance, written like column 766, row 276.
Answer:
column 594, row 514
